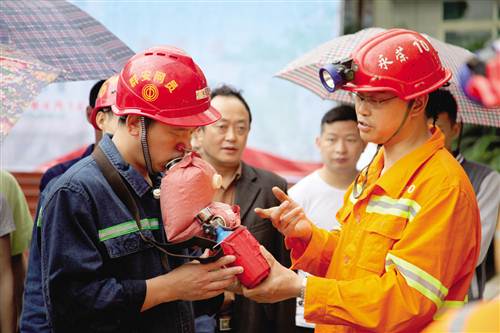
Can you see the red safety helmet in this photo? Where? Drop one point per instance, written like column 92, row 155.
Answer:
column 397, row 60
column 105, row 98
column 164, row 83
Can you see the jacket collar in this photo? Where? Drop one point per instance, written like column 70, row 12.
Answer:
column 132, row 176
column 397, row 177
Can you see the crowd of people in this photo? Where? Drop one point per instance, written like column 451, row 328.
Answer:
column 389, row 248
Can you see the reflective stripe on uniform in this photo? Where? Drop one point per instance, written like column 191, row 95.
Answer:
column 419, row 279
column 39, row 218
column 402, row 207
column 127, row 228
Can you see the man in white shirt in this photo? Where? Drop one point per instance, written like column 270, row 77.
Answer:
column 321, row 193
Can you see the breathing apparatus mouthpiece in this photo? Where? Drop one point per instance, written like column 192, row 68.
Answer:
column 181, row 148
column 334, row 76
column 171, row 163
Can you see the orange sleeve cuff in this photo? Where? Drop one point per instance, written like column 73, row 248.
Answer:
column 319, row 293
column 313, row 257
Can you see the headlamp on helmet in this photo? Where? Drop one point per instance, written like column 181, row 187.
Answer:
column 400, row 61
column 334, row 76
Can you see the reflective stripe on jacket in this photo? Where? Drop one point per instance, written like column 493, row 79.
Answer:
column 407, row 248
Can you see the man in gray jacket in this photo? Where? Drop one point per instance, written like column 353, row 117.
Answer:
column 486, row 182
column 222, row 144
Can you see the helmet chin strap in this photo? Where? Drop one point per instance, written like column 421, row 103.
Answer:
column 145, row 152
column 408, row 108
column 355, row 191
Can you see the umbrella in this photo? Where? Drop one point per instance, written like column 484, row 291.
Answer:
column 22, row 78
column 304, row 71
column 63, row 36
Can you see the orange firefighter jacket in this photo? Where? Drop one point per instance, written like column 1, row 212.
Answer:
column 407, row 247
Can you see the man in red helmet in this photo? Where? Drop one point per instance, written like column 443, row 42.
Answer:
column 101, row 270
column 101, row 116
column 410, row 232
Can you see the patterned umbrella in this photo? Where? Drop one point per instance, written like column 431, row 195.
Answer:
column 304, row 71
column 63, row 36
column 22, row 78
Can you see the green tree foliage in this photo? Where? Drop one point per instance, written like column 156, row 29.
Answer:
column 481, row 144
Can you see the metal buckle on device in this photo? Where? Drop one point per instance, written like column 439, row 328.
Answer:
column 225, row 323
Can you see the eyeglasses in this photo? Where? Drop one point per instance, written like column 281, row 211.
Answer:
column 238, row 129
column 373, row 103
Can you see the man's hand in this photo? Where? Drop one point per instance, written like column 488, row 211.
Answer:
column 191, row 282
column 235, row 288
column 289, row 218
column 282, row 283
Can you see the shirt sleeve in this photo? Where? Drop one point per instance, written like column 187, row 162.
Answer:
column 7, row 225
column 488, row 201
column 313, row 257
column 412, row 287
column 22, row 219
column 75, row 284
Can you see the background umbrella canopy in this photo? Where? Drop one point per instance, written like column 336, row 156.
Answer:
column 63, row 36
column 21, row 79
column 304, row 71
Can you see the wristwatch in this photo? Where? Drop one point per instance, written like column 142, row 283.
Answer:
column 303, row 288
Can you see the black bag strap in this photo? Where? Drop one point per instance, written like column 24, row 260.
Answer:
column 122, row 191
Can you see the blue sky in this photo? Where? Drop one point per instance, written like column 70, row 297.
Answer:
column 241, row 43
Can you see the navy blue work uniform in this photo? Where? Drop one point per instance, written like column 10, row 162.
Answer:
column 91, row 260
column 60, row 168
